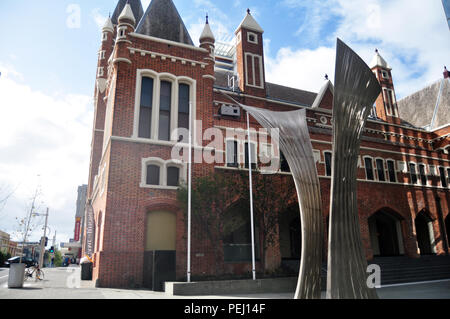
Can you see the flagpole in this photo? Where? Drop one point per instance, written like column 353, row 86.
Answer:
column 189, row 196
column 251, row 197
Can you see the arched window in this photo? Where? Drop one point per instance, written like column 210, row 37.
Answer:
column 183, row 105
column 158, row 173
column 423, row 175
column 327, row 156
column 413, row 173
column 146, row 105
column 442, row 176
column 232, row 153
column 165, row 106
column 369, row 168
column 380, row 169
column 163, row 103
column 153, row 174
column 391, row 171
column 173, row 176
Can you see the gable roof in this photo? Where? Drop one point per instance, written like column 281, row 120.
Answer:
column 136, row 7
column 162, row 20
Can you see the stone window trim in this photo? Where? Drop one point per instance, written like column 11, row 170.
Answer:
column 252, row 66
column 122, row 32
column 241, row 149
column 163, row 165
column 252, row 37
column 176, row 81
column 384, row 74
column 391, row 107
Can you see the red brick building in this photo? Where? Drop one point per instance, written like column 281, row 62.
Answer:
column 151, row 75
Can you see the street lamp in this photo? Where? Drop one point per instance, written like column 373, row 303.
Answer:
column 41, row 255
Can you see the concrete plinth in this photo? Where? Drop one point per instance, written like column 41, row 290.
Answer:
column 228, row 287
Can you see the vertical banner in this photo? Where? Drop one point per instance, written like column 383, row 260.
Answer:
column 76, row 235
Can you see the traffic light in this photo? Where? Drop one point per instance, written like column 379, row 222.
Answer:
column 52, row 250
column 45, row 242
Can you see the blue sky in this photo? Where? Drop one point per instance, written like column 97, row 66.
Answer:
column 48, row 70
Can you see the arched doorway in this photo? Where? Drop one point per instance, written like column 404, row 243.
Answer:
column 160, row 249
column 386, row 233
column 425, row 234
column 290, row 234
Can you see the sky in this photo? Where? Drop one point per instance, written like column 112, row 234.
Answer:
column 48, row 58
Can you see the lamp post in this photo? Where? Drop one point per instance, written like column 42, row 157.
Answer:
column 41, row 255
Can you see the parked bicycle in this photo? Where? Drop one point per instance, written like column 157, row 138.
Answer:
column 34, row 271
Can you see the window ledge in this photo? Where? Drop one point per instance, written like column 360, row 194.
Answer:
column 163, row 187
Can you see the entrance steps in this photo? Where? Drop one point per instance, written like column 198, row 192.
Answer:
column 396, row 270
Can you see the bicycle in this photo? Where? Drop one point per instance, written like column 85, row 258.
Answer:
column 34, row 270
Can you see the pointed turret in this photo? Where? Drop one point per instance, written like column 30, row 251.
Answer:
column 162, row 20
column 127, row 16
column 207, row 35
column 378, row 61
column 250, row 23
column 250, row 56
column 136, row 7
column 108, row 27
column 386, row 104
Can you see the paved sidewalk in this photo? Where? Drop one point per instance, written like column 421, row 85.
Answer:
column 65, row 283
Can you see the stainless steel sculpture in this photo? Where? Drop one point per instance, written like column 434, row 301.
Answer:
column 356, row 89
column 295, row 143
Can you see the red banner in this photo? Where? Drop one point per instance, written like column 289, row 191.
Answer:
column 76, row 236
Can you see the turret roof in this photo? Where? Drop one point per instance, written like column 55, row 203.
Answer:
column 162, row 20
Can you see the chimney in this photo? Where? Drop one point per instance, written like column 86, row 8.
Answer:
column 446, row 73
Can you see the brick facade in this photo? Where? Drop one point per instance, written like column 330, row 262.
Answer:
column 121, row 204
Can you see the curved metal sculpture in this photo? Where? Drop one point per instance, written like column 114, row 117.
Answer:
column 356, row 89
column 296, row 146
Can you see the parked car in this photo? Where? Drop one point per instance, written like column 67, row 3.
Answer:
column 26, row 260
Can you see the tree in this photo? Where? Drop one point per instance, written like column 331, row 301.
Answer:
column 272, row 195
column 213, row 195
column 25, row 227
column 57, row 261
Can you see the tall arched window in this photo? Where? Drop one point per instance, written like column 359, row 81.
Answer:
column 380, row 169
column 165, row 106
column 183, row 106
column 413, row 173
column 369, row 168
column 146, row 105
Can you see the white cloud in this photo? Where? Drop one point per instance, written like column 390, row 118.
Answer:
column 412, row 35
column 47, row 135
column 302, row 69
column 99, row 19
